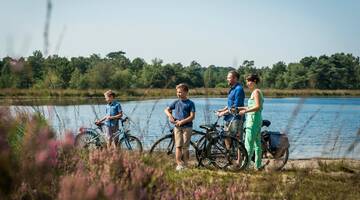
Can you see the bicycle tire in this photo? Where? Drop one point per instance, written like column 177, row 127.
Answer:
column 163, row 145
column 275, row 163
column 131, row 143
column 201, row 155
column 166, row 146
column 86, row 140
column 222, row 158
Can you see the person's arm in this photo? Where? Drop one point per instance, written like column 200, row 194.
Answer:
column 168, row 113
column 118, row 116
column 186, row 120
column 257, row 104
column 223, row 111
column 97, row 122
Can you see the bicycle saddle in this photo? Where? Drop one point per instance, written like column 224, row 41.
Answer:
column 207, row 127
column 266, row 123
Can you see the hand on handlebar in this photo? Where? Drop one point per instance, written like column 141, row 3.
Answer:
column 220, row 113
column 172, row 120
column 242, row 112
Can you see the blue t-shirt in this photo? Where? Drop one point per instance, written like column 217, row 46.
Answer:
column 182, row 110
column 236, row 97
column 112, row 109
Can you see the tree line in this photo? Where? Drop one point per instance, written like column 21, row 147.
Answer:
column 115, row 70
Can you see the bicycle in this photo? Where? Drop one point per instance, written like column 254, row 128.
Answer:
column 212, row 150
column 166, row 145
column 91, row 138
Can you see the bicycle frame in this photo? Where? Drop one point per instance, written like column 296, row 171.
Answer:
column 98, row 133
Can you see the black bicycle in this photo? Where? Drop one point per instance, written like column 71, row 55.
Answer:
column 91, row 138
column 220, row 150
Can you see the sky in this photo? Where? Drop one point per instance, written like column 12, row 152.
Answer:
column 218, row 32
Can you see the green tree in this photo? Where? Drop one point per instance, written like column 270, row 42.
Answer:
column 62, row 68
column 296, row 76
column 7, row 80
column 80, row 63
column 99, row 75
column 36, row 63
column 119, row 60
column 194, row 75
column 137, row 65
column 78, row 80
column 273, row 78
column 121, row 79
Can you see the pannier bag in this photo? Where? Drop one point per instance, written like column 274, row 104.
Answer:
column 278, row 142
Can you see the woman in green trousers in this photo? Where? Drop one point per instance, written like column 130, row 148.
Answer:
column 253, row 120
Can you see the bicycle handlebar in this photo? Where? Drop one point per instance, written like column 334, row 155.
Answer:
column 100, row 124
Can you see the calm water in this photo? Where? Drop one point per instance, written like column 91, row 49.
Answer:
column 317, row 127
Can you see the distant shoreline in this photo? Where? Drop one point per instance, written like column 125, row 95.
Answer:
column 69, row 96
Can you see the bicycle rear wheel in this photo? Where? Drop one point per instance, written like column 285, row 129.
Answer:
column 274, row 161
column 130, row 143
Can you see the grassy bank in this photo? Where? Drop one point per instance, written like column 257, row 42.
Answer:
column 40, row 96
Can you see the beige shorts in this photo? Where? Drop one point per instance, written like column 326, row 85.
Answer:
column 182, row 137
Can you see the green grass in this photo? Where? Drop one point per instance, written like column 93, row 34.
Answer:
column 293, row 183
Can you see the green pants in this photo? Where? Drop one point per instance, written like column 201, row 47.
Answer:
column 253, row 137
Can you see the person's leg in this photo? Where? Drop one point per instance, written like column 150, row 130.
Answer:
column 113, row 130
column 241, row 129
column 107, row 133
column 178, row 144
column 249, row 142
column 250, row 136
column 186, row 138
column 232, row 130
column 240, row 136
column 258, row 148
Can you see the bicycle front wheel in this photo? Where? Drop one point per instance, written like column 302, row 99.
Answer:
column 225, row 151
column 164, row 145
column 130, row 143
column 86, row 141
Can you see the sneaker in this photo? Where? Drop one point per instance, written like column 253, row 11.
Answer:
column 179, row 167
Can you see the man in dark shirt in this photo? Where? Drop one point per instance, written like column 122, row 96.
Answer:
column 236, row 97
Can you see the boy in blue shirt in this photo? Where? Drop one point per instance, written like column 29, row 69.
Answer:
column 184, row 114
column 113, row 114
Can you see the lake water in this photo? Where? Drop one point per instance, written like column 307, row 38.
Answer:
column 317, row 127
